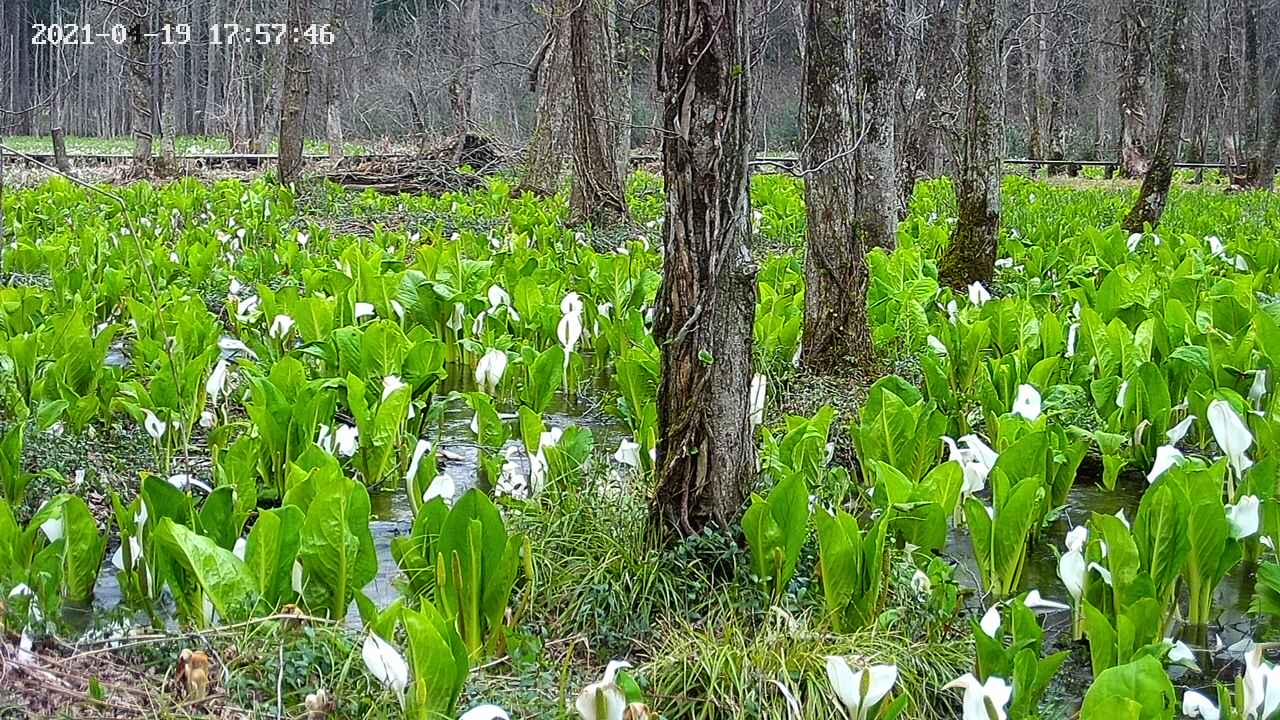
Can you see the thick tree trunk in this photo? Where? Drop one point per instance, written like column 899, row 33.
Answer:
column 333, row 79
column 461, row 87
column 552, row 132
column 878, row 201
column 971, row 256
column 851, row 192
column 598, row 193
column 835, row 268
column 706, row 304
column 918, row 131
column 293, row 106
column 1135, row 36
column 140, row 118
column 1155, row 184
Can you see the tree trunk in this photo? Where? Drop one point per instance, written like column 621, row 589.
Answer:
column 621, row 81
column 971, row 256
column 1135, row 37
column 877, row 167
column 168, row 97
column 850, row 195
column 598, row 193
column 918, row 131
column 706, row 304
column 293, row 106
column 1155, row 184
column 213, row 61
column 552, row 134
column 60, row 159
column 140, row 118
column 333, row 79
column 461, row 87
column 1263, row 174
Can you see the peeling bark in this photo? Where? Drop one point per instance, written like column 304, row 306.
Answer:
column 706, row 303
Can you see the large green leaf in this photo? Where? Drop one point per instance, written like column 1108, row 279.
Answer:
column 220, row 574
column 337, row 548
column 270, row 551
column 1142, row 681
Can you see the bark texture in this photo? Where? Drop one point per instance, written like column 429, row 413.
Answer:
column 293, row 105
column 140, row 101
column 922, row 115
column 971, row 255
column 461, row 87
column 1135, row 36
column 706, row 304
column 1154, row 193
column 877, row 167
column 598, row 194
column 552, row 134
column 333, row 78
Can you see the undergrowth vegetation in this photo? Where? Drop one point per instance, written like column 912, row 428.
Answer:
column 244, row 375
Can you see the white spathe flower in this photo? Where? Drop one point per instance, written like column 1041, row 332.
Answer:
column 231, row 347
column 497, row 297
column 936, row 345
column 990, row 622
column 921, row 583
column 490, row 369
column 976, row 458
column 628, row 453
column 1243, row 517
column 363, row 309
column 1232, row 435
column 182, row 481
column 385, row 663
column 1072, row 570
column 1195, row 705
column 1179, row 431
column 422, row 448
column 860, row 690
column 1072, row 333
column 1027, row 404
column 1122, row 393
column 207, row 419
column 247, row 308
column 1077, row 537
column 1036, row 602
column 346, row 440
column 1258, row 389
column 154, row 426
column 978, row 295
column 53, row 527
column 442, row 486
column 485, row 712
column 759, row 393
column 982, row 701
column 217, row 381
column 1134, row 240
column 1166, row 457
column 390, row 384
column 606, row 693
column 1261, row 685
column 135, row 554
column 1103, row 572
column 295, row 577
column 455, row 319
column 569, row 330
column 1180, row 653
column 280, row 327
column 239, row 548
